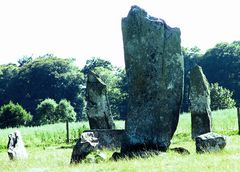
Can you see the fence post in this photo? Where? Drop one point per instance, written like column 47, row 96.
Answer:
column 67, row 129
column 238, row 114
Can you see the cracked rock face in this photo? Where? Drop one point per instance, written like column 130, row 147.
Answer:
column 200, row 102
column 98, row 108
column 210, row 142
column 154, row 67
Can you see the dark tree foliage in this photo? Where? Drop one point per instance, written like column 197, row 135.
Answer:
column 44, row 77
column 221, row 64
column 13, row 115
column 7, row 73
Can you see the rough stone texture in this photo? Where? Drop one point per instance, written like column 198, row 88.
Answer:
column 200, row 102
column 108, row 138
column 98, row 108
column 15, row 146
column 154, row 67
column 84, row 146
column 210, row 142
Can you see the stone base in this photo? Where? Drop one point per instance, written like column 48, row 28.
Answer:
column 108, row 138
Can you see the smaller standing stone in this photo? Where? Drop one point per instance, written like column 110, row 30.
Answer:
column 16, row 148
column 98, row 108
column 200, row 103
column 86, row 144
column 210, row 142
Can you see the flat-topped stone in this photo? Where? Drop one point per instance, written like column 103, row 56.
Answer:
column 108, row 138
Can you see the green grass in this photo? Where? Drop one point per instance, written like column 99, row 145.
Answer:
column 53, row 158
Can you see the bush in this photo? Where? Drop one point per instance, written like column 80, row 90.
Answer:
column 221, row 98
column 45, row 112
column 13, row 115
column 65, row 112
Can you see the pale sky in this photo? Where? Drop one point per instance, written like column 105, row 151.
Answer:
column 84, row 29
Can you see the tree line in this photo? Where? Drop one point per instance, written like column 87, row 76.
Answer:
column 40, row 85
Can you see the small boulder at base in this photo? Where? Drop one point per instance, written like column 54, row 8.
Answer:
column 200, row 102
column 15, row 146
column 210, row 142
column 86, row 144
column 98, row 108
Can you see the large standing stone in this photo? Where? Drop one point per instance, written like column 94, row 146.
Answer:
column 98, row 108
column 200, row 102
column 154, row 67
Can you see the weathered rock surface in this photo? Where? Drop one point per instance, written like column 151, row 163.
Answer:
column 94, row 140
column 200, row 102
column 154, row 67
column 98, row 108
column 108, row 138
column 15, row 146
column 84, row 146
column 210, row 142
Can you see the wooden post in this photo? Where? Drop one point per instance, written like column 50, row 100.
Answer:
column 67, row 129
column 238, row 114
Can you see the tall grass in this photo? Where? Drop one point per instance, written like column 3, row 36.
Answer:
column 48, row 135
column 45, row 135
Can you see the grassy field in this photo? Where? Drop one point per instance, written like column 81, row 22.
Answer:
column 45, row 153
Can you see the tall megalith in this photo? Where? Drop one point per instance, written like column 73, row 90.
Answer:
column 200, row 102
column 98, row 108
column 154, row 67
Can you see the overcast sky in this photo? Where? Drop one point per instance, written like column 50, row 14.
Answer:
column 83, row 29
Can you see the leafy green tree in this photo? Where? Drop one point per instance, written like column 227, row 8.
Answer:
column 45, row 112
column 221, row 64
column 7, row 73
column 221, row 98
column 65, row 112
column 13, row 115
